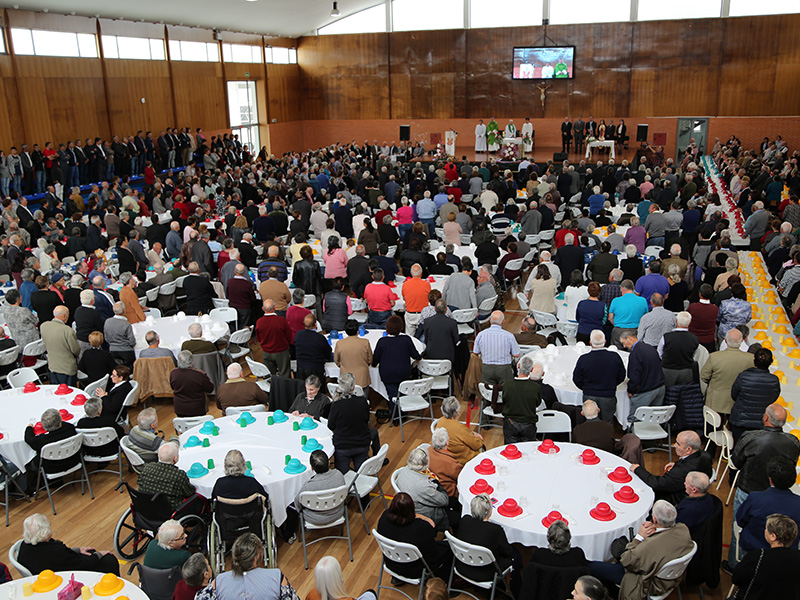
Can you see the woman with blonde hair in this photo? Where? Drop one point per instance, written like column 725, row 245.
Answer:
column 678, row 289
column 330, row 582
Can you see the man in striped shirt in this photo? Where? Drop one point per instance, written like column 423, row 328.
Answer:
column 497, row 348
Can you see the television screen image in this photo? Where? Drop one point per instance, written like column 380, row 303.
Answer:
column 544, row 62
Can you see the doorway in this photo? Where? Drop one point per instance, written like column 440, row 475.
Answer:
column 688, row 129
column 243, row 113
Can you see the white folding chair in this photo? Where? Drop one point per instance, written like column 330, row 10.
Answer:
column 553, row 421
column 6, row 484
column 95, row 438
column 391, row 252
column 400, row 552
column 334, row 387
column 514, row 265
column 545, row 322
column 152, row 294
column 486, row 307
column 134, row 460
column 359, row 306
column 309, row 300
column 647, row 425
column 324, row 500
column 673, row 571
column 226, row 315
column 411, row 397
column 153, row 312
column 237, row 410
column 37, row 349
column 726, row 451
column 241, row 339
column 361, row 483
column 143, row 301
column 260, row 372
column 184, row 424
column 475, row 556
column 13, row 555
column 62, row 450
column 712, row 419
column 486, row 407
column 546, row 239
column 100, row 384
column 220, row 302
column 19, row 377
column 440, row 371
column 8, row 356
column 68, row 260
column 122, row 418
column 465, row 317
column 523, row 301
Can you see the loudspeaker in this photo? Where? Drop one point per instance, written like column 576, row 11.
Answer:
column 560, row 156
column 641, row 133
column 405, row 133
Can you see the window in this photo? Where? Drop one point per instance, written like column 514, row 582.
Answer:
column 414, row 15
column 193, row 51
column 241, row 54
column 501, row 13
column 268, row 55
column 589, row 11
column 36, row 42
column 293, row 56
column 371, row 20
column 280, row 56
column 133, row 48
column 742, row 8
column 654, row 10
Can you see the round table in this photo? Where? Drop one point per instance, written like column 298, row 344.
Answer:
column 87, row 578
column 559, row 363
column 174, row 330
column 28, row 409
column 265, row 446
column 373, row 335
column 558, row 482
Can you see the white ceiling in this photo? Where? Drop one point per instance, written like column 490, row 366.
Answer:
column 291, row 18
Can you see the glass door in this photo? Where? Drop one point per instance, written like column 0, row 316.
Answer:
column 243, row 113
column 691, row 129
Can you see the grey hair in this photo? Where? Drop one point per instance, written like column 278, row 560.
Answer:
column 196, row 330
column 450, row 407
column 185, row 359
column 298, row 296
column 630, row 250
column 698, row 480
column 147, row 418
column 235, row 463
column 119, row 308
column 559, row 537
column 35, row 529
column 124, row 278
column 683, row 319
column 440, row 438
column 167, row 453
column 87, row 296
column 665, row 513
column 524, row 366
column 418, row 459
column 194, row 568
column 51, row 419
column 480, row 507
column 616, row 275
column 329, row 579
column 537, row 371
column 597, row 338
column 151, row 337
column 92, row 406
column 590, row 409
column 168, row 531
column 26, row 274
column 346, row 384
column 731, row 264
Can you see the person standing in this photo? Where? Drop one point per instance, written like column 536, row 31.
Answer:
column 480, row 136
column 645, row 376
column 274, row 335
column 496, row 348
column 566, row 135
column 527, row 136
column 598, row 374
column 521, row 398
column 578, row 130
column 62, row 347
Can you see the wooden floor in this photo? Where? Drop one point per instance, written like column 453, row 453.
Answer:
column 84, row 522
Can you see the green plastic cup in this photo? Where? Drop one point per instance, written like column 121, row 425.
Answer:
column 270, row 421
column 210, row 463
column 206, row 443
column 242, row 422
column 303, row 440
column 296, row 426
column 287, row 458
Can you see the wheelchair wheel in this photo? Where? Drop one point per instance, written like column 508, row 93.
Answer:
column 129, row 542
column 196, row 535
column 216, row 548
column 271, row 545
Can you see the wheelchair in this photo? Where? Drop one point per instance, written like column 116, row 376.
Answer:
column 139, row 524
column 230, row 519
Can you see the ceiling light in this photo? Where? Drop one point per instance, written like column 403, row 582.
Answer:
column 335, row 12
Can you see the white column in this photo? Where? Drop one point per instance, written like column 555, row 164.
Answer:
column 634, row 11
column 467, row 14
column 389, row 19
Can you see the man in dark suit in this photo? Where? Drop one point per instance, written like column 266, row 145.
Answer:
column 566, row 135
column 24, row 214
column 103, row 302
column 578, row 128
column 199, row 292
column 247, row 253
column 127, row 260
column 163, row 148
column 568, row 258
column 441, row 334
column 691, row 457
column 27, row 169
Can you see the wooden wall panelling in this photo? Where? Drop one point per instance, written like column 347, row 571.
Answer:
column 128, row 82
column 200, row 95
column 285, row 91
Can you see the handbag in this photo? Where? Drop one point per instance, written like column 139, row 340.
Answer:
column 755, row 574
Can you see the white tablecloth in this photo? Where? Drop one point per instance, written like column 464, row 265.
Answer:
column 173, row 331
column 559, row 483
column 373, row 335
column 87, row 578
column 27, row 410
column 559, row 363
column 265, row 446
column 600, row 144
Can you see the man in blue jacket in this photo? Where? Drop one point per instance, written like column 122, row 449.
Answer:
column 646, row 385
column 598, row 373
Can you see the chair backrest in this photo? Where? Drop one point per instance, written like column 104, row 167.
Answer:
column 391, row 252
column 524, row 349
column 727, row 446
column 486, row 392
column 553, row 421
column 179, row 281
column 416, row 387
column 237, row 516
column 152, row 293
column 221, row 302
column 158, row 584
column 547, row 235
column 13, row 553
column 523, row 300
column 357, row 304
column 35, row 348
column 393, row 480
column 309, row 300
column 19, row 377
column 68, row 260
column 143, row 301
column 529, row 256
column 653, row 250
column 435, row 367
column 544, row 319
column 9, row 356
column 469, row 554
column 62, row 448
column 657, row 415
column 465, row 315
column 322, row 500
column 372, row 466
column 130, row 399
column 168, row 289
column 92, row 438
column 240, row 337
column 184, row 424
column 153, row 312
column 235, row 410
column 712, row 418
column 100, row 384
column 488, row 304
column 131, row 454
column 399, row 552
column 674, row 569
column 256, row 368
column 514, row 265
column 226, row 315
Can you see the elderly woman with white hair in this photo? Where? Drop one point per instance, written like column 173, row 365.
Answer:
column 236, row 485
column 464, row 444
column 55, row 430
column 349, row 421
column 39, row 551
column 168, row 550
column 430, row 498
column 632, row 266
column 329, row 582
column 190, row 387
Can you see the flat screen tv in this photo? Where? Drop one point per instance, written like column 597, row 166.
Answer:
column 544, row 62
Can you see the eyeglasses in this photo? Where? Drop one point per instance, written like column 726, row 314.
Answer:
column 180, row 538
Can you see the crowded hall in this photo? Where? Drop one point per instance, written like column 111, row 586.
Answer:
column 335, row 300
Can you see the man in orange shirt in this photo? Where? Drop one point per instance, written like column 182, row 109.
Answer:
column 127, row 295
column 415, row 295
column 380, row 299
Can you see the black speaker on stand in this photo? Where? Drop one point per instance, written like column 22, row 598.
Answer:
column 405, row 133
column 641, row 133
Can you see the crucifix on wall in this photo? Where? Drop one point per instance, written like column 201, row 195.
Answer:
column 543, row 87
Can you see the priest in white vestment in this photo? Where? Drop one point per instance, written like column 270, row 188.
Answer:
column 480, row 137
column 511, row 130
column 527, row 136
